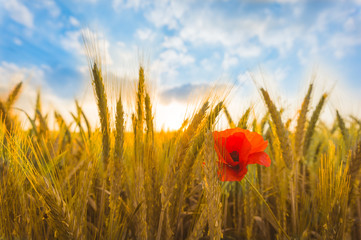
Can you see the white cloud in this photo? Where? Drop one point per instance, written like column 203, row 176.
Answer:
column 244, row 78
column 244, row 51
column 204, row 28
column 51, row 6
column 342, row 96
column 282, row 37
column 336, row 30
column 229, row 61
column 283, row 1
column 145, row 34
column 168, row 63
column 88, row 1
column 19, row 12
column 121, row 44
column 125, row 58
column 301, row 57
column 248, row 34
column 117, row 58
column 280, row 74
column 18, row 42
column 72, row 42
column 172, row 57
column 174, row 42
column 339, row 53
column 211, row 63
column 12, row 74
column 33, row 79
column 210, row 27
column 73, row 21
column 349, row 25
column 135, row 4
column 167, row 13
column 342, row 43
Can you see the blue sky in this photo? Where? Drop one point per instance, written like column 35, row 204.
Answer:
column 185, row 45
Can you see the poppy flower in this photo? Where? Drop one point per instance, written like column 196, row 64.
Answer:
column 236, row 148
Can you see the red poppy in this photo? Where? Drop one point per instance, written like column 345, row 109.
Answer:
column 236, row 148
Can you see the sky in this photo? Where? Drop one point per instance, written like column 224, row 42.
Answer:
column 187, row 48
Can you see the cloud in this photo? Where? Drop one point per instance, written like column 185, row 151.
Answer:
column 134, row 4
column 184, row 93
column 342, row 43
column 171, row 57
column 168, row 63
column 212, row 28
column 88, row 1
column 167, row 13
column 279, row 1
column 209, row 64
column 338, row 29
column 145, row 34
column 281, row 37
column 250, row 51
column 343, row 96
column 18, row 12
column 13, row 74
column 34, row 79
column 18, row 42
column 73, row 21
column 244, row 78
column 188, row 92
column 72, row 42
column 176, row 43
column 247, row 34
column 349, row 25
column 229, row 61
column 51, row 6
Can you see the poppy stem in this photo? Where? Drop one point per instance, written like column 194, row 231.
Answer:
column 268, row 207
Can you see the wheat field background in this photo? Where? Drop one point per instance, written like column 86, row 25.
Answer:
column 108, row 183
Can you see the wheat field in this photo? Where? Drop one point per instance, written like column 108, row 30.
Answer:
column 109, row 183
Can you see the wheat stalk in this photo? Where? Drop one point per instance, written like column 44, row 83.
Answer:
column 301, row 122
column 244, row 119
column 282, row 133
column 228, row 116
column 342, row 126
column 119, row 129
column 149, row 119
column 13, row 96
column 170, row 181
column 212, row 189
column 189, row 161
column 101, row 98
column 5, row 117
column 312, row 124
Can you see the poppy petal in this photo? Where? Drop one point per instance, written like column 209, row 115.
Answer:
column 236, row 148
column 226, row 173
column 260, row 157
column 238, row 142
column 226, row 145
column 257, row 142
column 226, row 133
